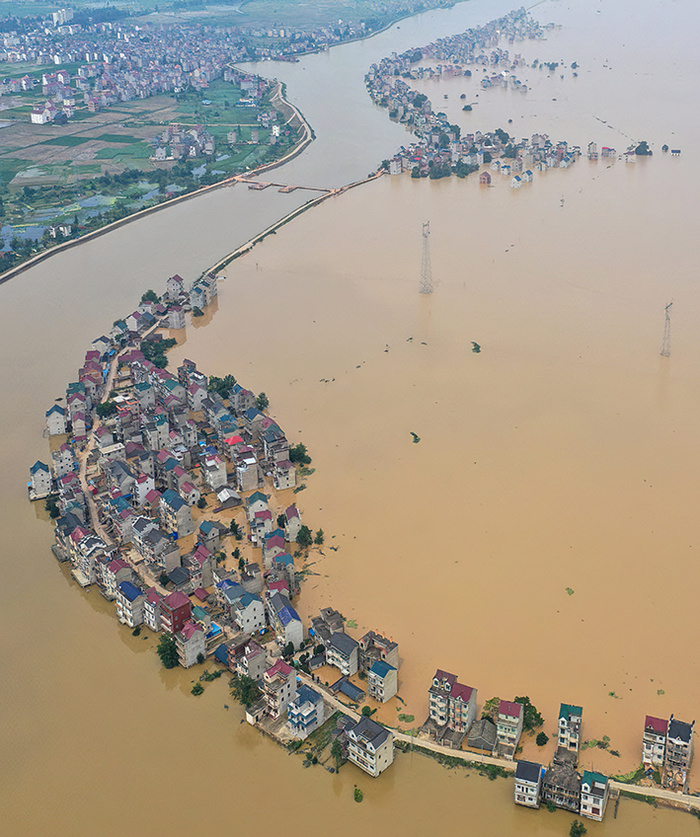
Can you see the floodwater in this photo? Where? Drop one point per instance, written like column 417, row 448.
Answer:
column 563, row 455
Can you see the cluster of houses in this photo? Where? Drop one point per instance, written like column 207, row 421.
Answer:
column 439, row 146
column 178, row 141
column 667, row 746
column 148, row 59
column 289, row 709
column 128, row 67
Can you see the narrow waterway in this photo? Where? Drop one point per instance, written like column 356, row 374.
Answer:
column 561, row 456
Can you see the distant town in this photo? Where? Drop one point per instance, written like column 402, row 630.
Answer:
column 174, row 496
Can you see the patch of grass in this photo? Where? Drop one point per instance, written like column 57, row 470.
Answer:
column 632, row 778
column 66, row 142
column 641, row 797
column 407, row 719
column 127, row 138
column 569, row 591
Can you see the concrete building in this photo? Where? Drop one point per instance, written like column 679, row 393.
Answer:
column 370, row 746
column 569, row 727
column 595, row 789
column 305, row 713
column 382, row 681
column 528, row 783
column 654, row 741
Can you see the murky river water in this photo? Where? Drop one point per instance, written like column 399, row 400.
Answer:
column 564, row 455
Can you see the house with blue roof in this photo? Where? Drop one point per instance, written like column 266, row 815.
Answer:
column 382, row 681
column 305, row 713
column 175, row 514
column 284, row 620
column 56, row 421
column 248, row 613
column 129, row 604
column 40, row 481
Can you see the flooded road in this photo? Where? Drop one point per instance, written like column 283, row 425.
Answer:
column 563, row 455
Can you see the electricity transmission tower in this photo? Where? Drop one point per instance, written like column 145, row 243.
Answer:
column 666, row 342
column 426, row 273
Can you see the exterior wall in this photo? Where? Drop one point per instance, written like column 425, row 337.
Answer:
column 375, row 762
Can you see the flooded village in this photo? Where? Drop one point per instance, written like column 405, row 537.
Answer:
column 174, row 496
column 440, row 148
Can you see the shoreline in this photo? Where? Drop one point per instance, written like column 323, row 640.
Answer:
column 307, row 138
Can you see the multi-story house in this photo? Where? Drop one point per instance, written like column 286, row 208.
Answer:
column 305, row 713
column 284, row 620
column 175, row 610
column 654, row 741
column 151, row 609
column 249, row 613
column 370, row 746
column 374, row 647
column 382, row 681
column 561, row 786
column 342, row 652
column 569, row 729
column 279, row 688
column 679, row 750
column 129, row 604
column 595, row 789
column 190, row 644
column 249, row 659
column 528, row 783
column 509, row 727
column 452, row 708
column 175, row 514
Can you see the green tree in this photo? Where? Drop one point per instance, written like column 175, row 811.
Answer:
column 51, row 506
column 578, row 829
column 167, row 651
column 281, row 521
column 262, row 402
column 304, row 537
column 531, row 717
column 643, row 149
column 235, row 530
column 358, row 795
column 337, row 753
column 288, row 650
column 318, row 540
column 542, row 739
column 201, row 503
column 107, row 408
column 197, row 689
column 150, row 296
column 244, row 689
column 297, row 453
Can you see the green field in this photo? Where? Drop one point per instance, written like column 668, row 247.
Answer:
column 125, row 155
column 67, row 142
column 125, row 138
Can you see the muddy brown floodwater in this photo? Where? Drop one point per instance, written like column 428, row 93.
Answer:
column 564, row 455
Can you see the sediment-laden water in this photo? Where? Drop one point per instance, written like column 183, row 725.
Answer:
column 563, row 455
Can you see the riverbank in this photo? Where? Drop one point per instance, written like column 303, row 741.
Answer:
column 304, row 141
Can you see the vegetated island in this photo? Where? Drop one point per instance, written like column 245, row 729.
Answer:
column 172, row 494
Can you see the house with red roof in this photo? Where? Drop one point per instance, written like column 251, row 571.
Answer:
column 279, row 688
column 452, row 709
column 509, row 728
column 654, row 741
column 190, row 644
column 151, row 609
column 175, row 610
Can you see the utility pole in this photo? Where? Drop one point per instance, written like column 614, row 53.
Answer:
column 666, row 342
column 426, row 273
